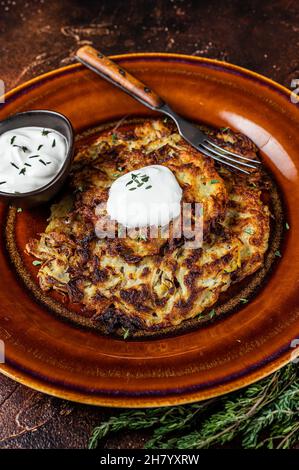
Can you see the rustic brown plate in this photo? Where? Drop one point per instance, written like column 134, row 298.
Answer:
column 56, row 357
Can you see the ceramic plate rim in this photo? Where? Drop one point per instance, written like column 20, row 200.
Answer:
column 282, row 357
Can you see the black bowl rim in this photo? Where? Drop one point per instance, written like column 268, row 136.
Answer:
column 65, row 165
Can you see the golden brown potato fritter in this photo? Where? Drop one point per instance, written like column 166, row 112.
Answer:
column 142, row 283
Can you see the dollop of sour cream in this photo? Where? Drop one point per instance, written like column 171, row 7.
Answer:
column 30, row 157
column 145, row 197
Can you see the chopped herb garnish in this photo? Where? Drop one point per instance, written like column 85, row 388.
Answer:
column 44, row 132
column 253, row 185
column 120, row 168
column 203, row 315
column 39, row 147
column 42, row 161
column 37, row 263
column 277, row 253
column 34, row 156
column 132, row 189
column 244, row 301
column 212, row 313
column 287, row 226
column 141, row 237
column 22, row 147
column 121, row 231
column 13, row 139
column 16, row 166
column 126, row 333
column 22, row 171
column 249, row 230
column 54, row 143
column 139, row 181
column 114, row 138
column 27, row 164
column 214, row 181
column 224, row 129
column 48, row 163
column 19, row 209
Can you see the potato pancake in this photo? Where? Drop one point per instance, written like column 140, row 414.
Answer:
column 144, row 283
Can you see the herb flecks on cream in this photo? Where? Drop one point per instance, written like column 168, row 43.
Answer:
column 148, row 196
column 30, row 158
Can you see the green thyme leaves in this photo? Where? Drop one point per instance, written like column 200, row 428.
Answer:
column 262, row 415
column 126, row 333
column 37, row 262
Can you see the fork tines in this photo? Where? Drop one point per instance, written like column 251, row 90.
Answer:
column 231, row 159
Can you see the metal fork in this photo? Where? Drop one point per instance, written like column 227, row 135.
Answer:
column 121, row 78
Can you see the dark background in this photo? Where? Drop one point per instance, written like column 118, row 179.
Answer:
column 39, row 35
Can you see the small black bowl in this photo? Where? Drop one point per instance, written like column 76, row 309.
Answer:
column 50, row 120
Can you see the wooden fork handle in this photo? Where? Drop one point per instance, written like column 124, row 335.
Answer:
column 120, row 77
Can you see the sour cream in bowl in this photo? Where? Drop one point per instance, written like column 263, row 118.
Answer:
column 36, row 151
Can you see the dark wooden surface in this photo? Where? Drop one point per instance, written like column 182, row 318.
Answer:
column 39, row 35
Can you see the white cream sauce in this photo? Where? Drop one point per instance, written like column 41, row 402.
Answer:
column 145, row 197
column 30, row 157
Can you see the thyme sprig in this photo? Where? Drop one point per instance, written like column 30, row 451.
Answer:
column 265, row 414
